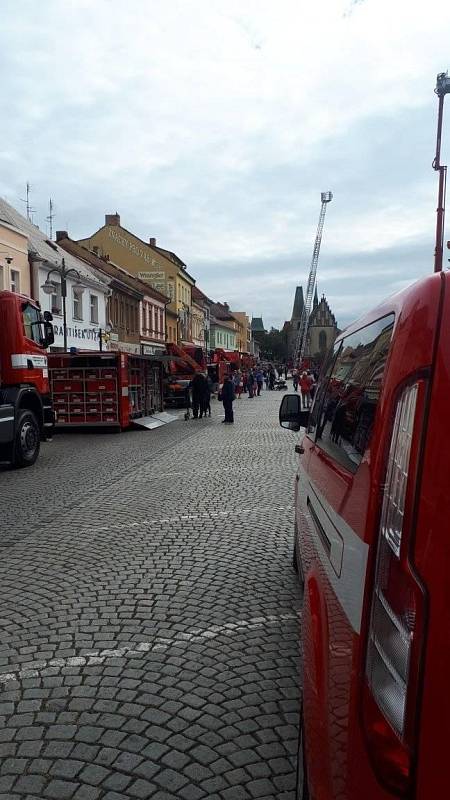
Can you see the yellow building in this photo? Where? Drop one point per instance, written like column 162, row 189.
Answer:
column 161, row 268
column 14, row 264
column 243, row 332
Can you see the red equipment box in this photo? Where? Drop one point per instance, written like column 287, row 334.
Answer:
column 104, row 389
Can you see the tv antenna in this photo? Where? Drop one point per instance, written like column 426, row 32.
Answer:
column 30, row 211
column 50, row 218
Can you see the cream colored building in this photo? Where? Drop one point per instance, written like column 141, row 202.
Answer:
column 243, row 332
column 14, row 265
column 154, row 265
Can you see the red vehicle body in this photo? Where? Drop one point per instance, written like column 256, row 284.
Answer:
column 372, row 548
column 26, row 415
column 104, row 389
column 180, row 370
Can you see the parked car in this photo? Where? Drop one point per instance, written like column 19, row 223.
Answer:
column 372, row 549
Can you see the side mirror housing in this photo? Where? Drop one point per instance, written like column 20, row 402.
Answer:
column 49, row 334
column 291, row 414
column 48, row 316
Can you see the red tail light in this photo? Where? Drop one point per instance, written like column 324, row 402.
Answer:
column 395, row 636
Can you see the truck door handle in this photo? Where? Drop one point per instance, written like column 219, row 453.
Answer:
column 299, row 449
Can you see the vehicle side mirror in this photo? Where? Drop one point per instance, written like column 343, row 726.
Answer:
column 48, row 316
column 49, row 334
column 291, row 414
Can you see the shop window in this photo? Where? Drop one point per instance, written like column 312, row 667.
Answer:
column 15, row 281
column 77, row 304
column 94, row 308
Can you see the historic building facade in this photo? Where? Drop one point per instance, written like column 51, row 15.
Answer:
column 160, row 268
column 14, row 265
column 322, row 327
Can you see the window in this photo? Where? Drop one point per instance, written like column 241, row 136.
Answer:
column 32, row 323
column 15, row 281
column 94, row 308
column 322, row 341
column 344, row 409
column 55, row 300
column 77, row 304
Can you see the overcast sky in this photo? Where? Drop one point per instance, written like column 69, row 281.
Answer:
column 213, row 125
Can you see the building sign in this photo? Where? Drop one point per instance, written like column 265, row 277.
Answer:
column 158, row 281
column 84, row 338
column 152, row 350
column 135, row 249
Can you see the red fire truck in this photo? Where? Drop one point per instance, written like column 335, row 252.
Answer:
column 105, row 389
column 183, row 364
column 26, row 415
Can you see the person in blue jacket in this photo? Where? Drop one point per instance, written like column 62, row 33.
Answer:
column 227, row 399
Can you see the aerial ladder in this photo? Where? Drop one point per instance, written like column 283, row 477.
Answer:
column 302, row 334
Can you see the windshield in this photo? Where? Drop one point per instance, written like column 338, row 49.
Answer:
column 32, row 323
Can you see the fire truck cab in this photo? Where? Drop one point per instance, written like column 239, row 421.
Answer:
column 26, row 415
column 372, row 549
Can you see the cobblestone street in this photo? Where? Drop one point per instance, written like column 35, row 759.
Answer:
column 149, row 614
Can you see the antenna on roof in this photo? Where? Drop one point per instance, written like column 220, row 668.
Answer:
column 50, row 218
column 30, row 211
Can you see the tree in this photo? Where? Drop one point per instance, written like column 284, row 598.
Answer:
column 274, row 345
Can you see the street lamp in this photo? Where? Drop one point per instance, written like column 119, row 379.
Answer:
column 49, row 287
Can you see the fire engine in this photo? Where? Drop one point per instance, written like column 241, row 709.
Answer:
column 26, row 415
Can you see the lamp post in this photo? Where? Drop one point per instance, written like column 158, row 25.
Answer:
column 49, row 287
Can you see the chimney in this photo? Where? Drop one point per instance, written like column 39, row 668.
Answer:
column 152, row 241
column 61, row 235
column 112, row 219
column 226, row 306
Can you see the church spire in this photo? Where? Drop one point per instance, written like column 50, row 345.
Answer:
column 316, row 299
column 298, row 304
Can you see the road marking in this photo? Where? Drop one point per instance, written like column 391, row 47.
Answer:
column 95, row 657
column 191, row 517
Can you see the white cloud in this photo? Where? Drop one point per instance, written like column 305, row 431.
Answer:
column 214, row 126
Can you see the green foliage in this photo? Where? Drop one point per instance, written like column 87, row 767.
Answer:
column 273, row 345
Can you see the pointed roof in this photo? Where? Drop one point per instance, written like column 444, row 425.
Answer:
column 258, row 325
column 316, row 299
column 298, row 304
column 322, row 316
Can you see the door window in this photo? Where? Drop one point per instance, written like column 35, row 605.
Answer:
column 32, row 324
column 344, row 410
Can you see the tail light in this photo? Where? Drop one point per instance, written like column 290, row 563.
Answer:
column 395, row 636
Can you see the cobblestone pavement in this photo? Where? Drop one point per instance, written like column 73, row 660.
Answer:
column 148, row 618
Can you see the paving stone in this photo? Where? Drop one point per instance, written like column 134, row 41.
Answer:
column 113, row 573
column 30, row 784
column 61, row 790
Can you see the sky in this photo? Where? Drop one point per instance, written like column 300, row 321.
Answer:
column 214, row 125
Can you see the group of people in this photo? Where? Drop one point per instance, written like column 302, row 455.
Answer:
column 307, row 382
column 249, row 381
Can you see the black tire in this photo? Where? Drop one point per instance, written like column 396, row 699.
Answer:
column 301, row 784
column 27, row 441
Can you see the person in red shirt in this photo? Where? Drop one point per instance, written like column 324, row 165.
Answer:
column 305, row 389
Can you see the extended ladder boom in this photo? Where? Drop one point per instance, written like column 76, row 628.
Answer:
column 302, row 335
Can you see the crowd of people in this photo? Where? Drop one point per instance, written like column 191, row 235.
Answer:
column 249, row 382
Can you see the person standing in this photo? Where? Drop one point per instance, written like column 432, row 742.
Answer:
column 227, row 399
column 295, row 379
column 198, row 390
column 271, row 378
column 305, row 387
column 250, row 382
column 237, row 381
column 205, row 402
column 259, row 381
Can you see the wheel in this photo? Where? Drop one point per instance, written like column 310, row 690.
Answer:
column 302, row 791
column 27, row 441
